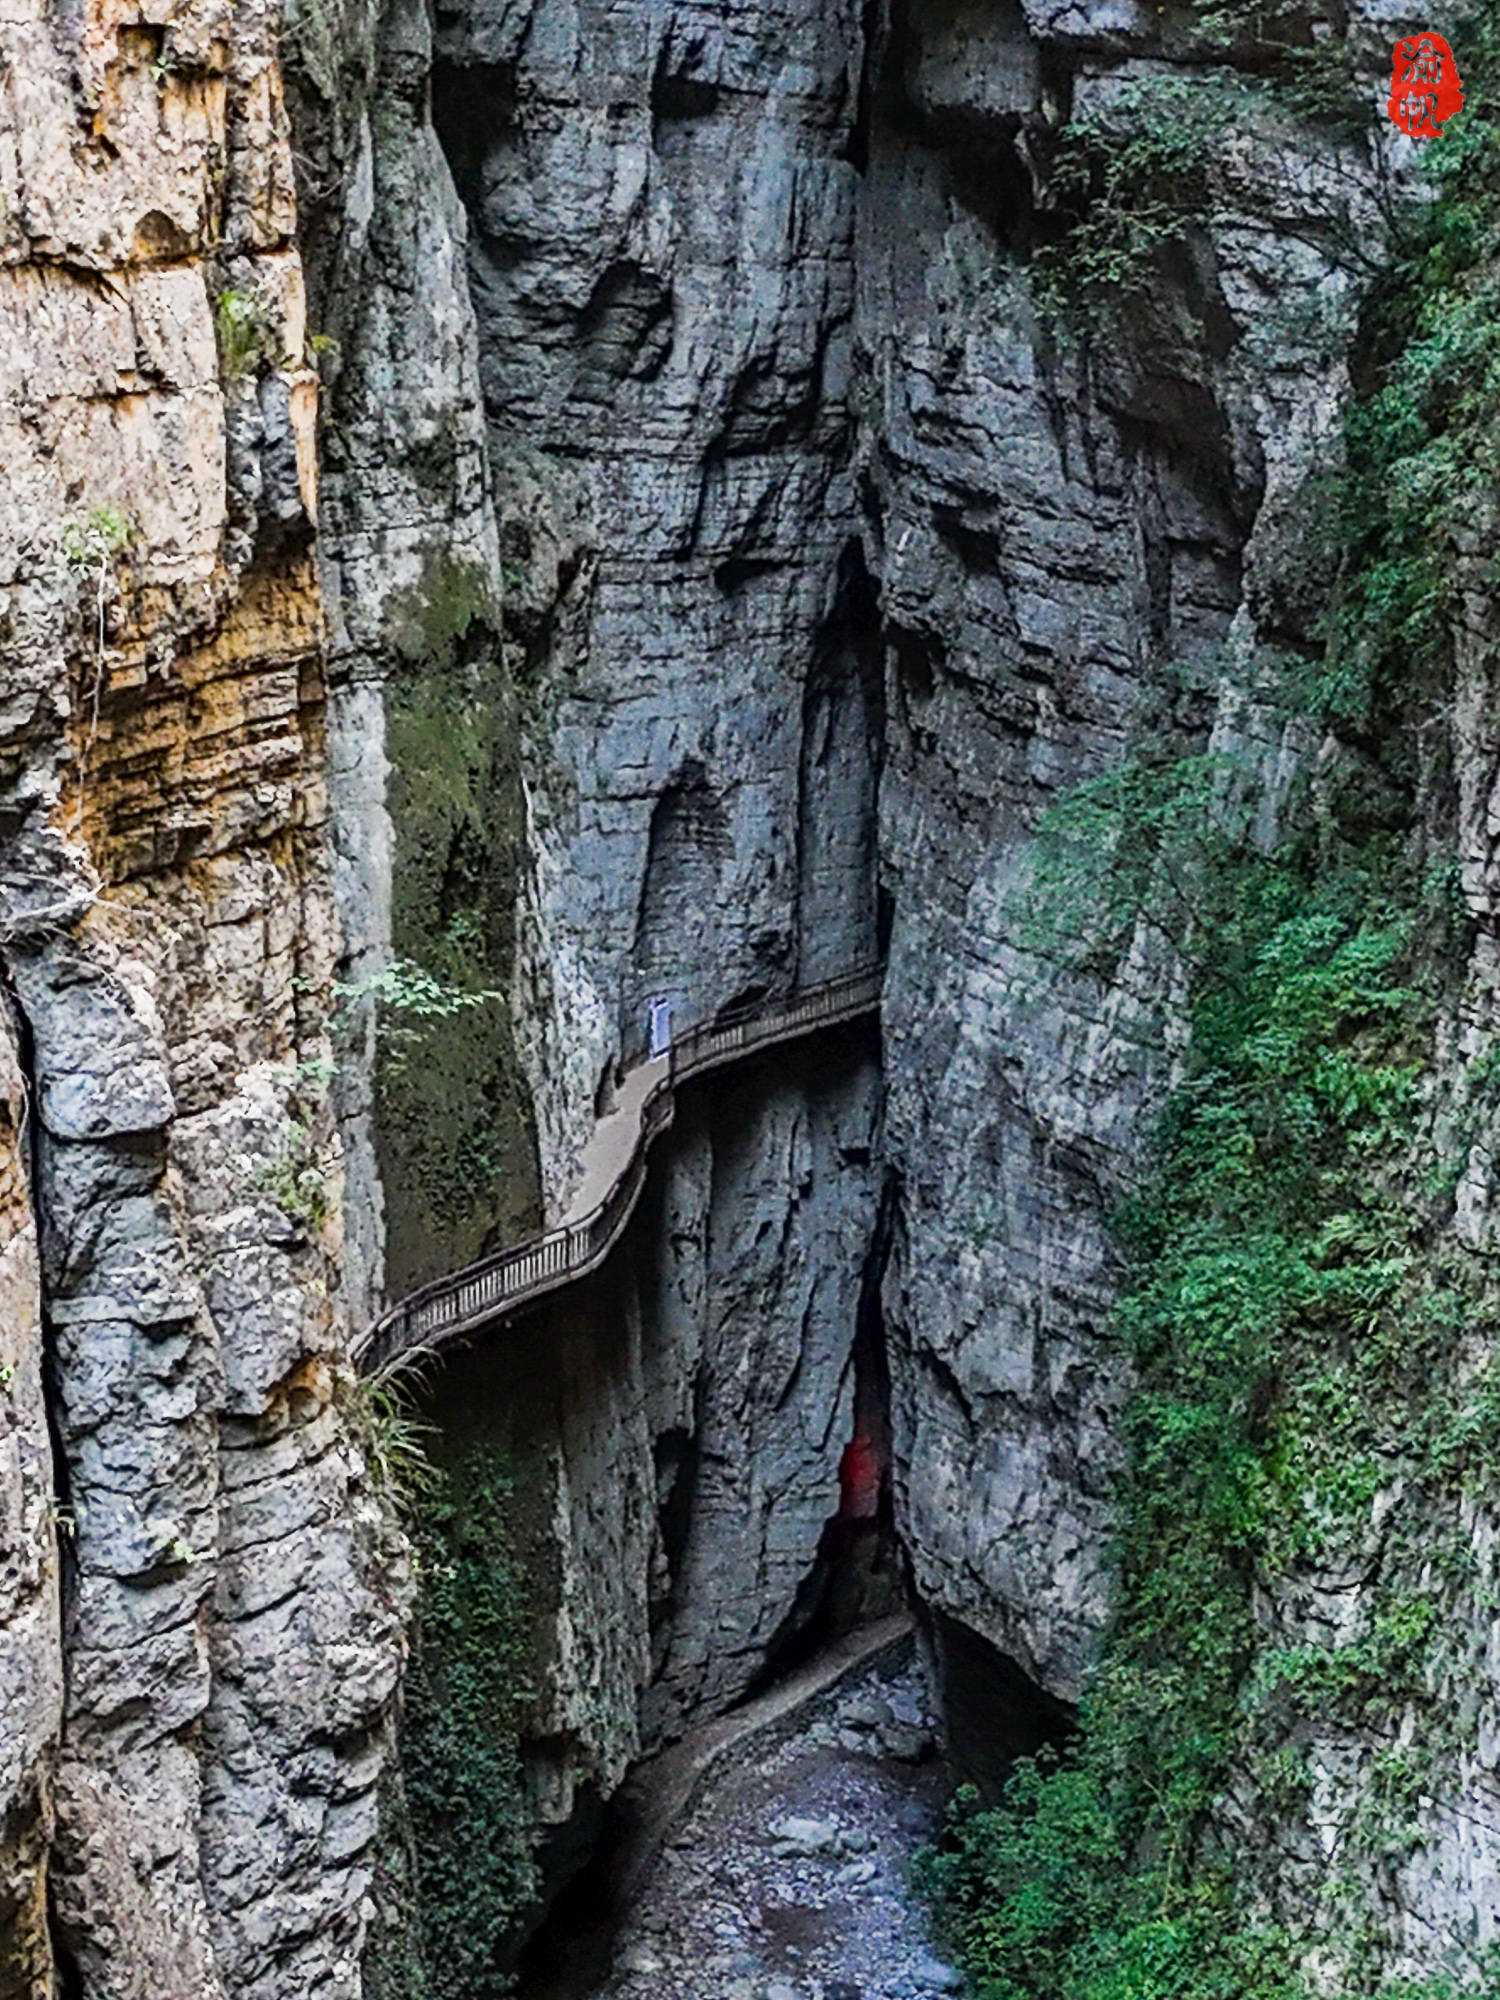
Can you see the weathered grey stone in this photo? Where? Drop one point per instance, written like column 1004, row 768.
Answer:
column 31, row 1663
column 931, row 1975
column 44, row 886
column 804, row 1836
column 167, row 934
column 975, row 65
column 1042, row 533
column 906, row 1742
column 102, row 1075
column 681, row 195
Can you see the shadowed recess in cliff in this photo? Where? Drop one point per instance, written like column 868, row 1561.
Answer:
column 624, row 330
column 993, row 1711
column 678, row 99
column 681, row 897
column 473, row 106
column 843, row 730
column 966, row 79
column 857, row 1574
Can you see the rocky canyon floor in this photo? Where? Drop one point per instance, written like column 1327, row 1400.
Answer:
column 788, row 1879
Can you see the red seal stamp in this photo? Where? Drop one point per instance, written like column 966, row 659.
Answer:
column 1426, row 87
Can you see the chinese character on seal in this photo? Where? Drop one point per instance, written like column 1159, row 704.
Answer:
column 1426, row 87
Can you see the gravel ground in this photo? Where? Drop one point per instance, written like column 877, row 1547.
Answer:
column 788, row 1882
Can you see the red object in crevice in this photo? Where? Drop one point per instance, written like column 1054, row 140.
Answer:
column 1426, row 87
column 860, row 1472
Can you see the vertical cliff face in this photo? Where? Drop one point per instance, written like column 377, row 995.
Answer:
column 673, row 1425
column 427, row 807
column 227, row 1640
column 661, row 218
column 30, row 1649
column 1057, row 526
column 554, row 519
column 728, row 544
column 766, row 1237
column 759, row 463
column 1101, row 534
column 1072, row 539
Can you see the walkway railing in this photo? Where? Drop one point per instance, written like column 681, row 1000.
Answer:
column 499, row 1285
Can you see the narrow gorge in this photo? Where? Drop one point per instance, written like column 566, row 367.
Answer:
column 542, row 533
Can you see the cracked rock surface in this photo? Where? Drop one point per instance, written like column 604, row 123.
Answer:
column 193, row 1726
column 708, row 568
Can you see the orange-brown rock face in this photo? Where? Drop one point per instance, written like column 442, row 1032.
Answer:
column 196, row 1810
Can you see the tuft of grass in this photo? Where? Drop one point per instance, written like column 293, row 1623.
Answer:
column 242, row 330
column 93, row 542
column 296, row 1179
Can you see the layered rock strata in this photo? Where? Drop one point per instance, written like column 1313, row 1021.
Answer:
column 201, row 1728
column 696, row 466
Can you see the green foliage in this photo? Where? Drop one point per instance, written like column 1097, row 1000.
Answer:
column 1305, row 1336
column 1131, row 180
column 469, row 1846
column 92, row 543
column 435, row 1036
column 1136, row 175
column 1137, row 847
column 1423, row 447
column 1282, row 1329
column 403, row 987
column 295, row 1178
column 243, row 332
column 394, row 1438
column 1040, row 1897
column 1317, row 77
column 457, row 1152
column 409, row 1000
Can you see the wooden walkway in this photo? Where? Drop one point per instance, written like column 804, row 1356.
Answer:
column 616, row 1160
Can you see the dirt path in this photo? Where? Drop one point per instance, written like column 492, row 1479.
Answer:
column 787, row 1878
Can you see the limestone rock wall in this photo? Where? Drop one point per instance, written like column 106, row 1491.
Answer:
column 586, row 475
column 661, row 219
column 718, row 567
column 427, row 810
column 1051, row 525
column 31, row 1667
column 228, row 1631
column 766, row 1228
column 766, row 388
column 674, row 1424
